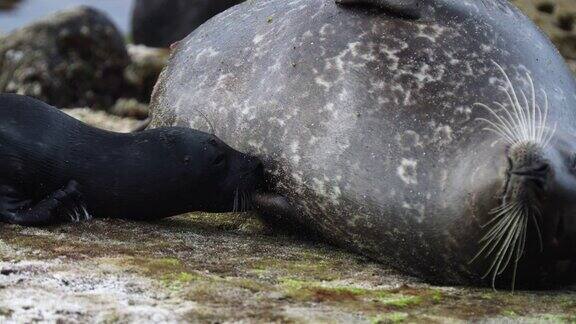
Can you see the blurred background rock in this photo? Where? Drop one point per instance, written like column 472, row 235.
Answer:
column 72, row 58
column 159, row 23
column 558, row 19
column 8, row 4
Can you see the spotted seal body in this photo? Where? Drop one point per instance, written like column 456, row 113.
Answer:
column 429, row 135
column 55, row 167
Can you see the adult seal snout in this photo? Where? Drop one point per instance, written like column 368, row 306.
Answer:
column 55, row 167
column 430, row 135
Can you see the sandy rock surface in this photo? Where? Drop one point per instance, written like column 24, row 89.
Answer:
column 227, row 268
column 104, row 120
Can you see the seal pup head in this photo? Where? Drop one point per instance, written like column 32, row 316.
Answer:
column 536, row 212
column 216, row 177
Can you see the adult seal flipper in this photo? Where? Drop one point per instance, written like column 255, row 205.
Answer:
column 411, row 9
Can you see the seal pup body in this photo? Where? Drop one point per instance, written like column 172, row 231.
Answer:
column 54, row 164
column 365, row 115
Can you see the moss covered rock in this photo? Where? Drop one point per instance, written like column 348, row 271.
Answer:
column 74, row 58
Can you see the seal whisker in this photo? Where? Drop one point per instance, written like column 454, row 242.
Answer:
column 510, row 250
column 505, row 123
column 235, row 201
column 496, row 233
column 511, row 93
column 494, row 236
column 513, row 243
column 523, row 241
column 519, row 252
column 499, row 132
column 509, row 118
column 500, row 255
column 525, row 121
column 545, row 117
column 509, row 140
column 538, row 229
column 533, row 101
column 498, row 239
column 531, row 119
column 498, row 226
column 499, row 212
column 87, row 215
column 518, row 120
column 550, row 135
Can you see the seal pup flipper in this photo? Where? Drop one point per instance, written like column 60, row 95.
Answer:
column 411, row 9
column 21, row 211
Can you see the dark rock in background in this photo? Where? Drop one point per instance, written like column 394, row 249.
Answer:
column 557, row 18
column 74, row 58
column 159, row 23
column 8, row 4
column 144, row 69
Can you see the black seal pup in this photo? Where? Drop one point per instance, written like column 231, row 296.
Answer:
column 53, row 167
column 364, row 112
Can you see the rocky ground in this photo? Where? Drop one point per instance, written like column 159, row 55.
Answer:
column 231, row 268
column 224, row 268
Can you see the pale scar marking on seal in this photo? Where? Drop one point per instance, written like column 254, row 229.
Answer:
column 323, row 83
column 443, row 135
column 410, row 139
column 258, row 38
column 209, row 52
column 407, row 171
column 430, row 32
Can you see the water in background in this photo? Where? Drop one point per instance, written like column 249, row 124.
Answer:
column 27, row 11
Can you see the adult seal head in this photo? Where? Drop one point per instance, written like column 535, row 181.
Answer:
column 55, row 167
column 430, row 135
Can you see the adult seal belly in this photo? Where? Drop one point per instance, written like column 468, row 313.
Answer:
column 56, row 168
column 435, row 136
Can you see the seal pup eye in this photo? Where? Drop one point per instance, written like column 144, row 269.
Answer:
column 213, row 142
column 219, row 160
column 573, row 161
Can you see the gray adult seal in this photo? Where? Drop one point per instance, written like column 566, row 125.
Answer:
column 56, row 168
column 430, row 135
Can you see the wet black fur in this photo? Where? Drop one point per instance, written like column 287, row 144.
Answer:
column 52, row 164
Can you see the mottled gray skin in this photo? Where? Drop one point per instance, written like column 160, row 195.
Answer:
column 365, row 118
